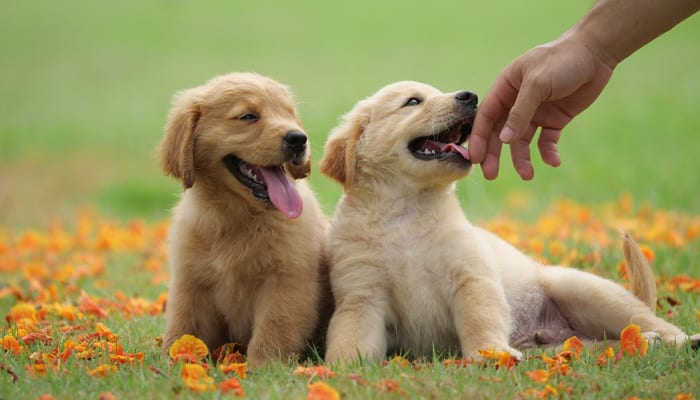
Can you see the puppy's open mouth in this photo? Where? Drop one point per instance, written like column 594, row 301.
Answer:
column 444, row 145
column 269, row 184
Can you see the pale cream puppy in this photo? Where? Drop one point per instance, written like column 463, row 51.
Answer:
column 245, row 243
column 409, row 273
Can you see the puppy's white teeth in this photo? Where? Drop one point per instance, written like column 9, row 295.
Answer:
column 249, row 173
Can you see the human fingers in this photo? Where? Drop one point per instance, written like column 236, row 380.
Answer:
column 520, row 154
column 482, row 131
column 547, row 143
column 489, row 118
column 520, row 116
column 489, row 166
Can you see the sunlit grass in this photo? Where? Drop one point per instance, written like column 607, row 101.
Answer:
column 83, row 302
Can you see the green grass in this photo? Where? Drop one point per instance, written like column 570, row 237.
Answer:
column 86, row 87
column 663, row 373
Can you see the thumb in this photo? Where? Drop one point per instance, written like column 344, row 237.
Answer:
column 520, row 115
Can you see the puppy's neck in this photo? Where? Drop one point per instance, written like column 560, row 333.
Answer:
column 227, row 205
column 386, row 199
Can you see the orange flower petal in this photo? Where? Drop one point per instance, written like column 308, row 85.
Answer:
column 322, row 391
column 106, row 396
column 632, row 341
column 605, row 356
column 539, row 375
column 102, row 370
column 319, row 371
column 200, row 385
column 549, row 390
column 561, row 369
column 38, row 368
column 457, row 362
column 87, row 305
column 193, row 371
column 11, row 290
column 102, row 332
column 389, row 386
column 684, row 396
column 573, row 344
column 22, row 311
column 196, row 378
column 9, row 343
column 501, row 358
column 232, row 385
column 37, row 336
column 238, row 368
column 126, row 358
column 400, row 361
column 188, row 346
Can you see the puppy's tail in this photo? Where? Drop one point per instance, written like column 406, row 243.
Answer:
column 641, row 276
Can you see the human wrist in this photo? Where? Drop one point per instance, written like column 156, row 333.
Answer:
column 614, row 29
column 595, row 34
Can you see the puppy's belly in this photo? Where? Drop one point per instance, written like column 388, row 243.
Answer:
column 537, row 321
column 420, row 324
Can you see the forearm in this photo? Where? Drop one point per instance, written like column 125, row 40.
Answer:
column 614, row 29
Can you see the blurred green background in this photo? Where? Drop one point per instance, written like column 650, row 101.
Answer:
column 86, row 86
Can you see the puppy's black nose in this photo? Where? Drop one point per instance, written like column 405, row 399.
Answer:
column 466, row 98
column 295, row 141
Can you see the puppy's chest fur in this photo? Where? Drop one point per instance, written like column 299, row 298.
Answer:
column 229, row 261
column 404, row 247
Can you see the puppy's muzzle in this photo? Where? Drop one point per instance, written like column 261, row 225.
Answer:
column 294, row 146
column 466, row 98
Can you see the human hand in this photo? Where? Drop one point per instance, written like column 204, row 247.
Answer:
column 544, row 88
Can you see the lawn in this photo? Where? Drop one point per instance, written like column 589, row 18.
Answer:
column 84, row 206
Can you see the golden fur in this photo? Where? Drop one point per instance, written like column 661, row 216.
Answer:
column 409, row 273
column 241, row 271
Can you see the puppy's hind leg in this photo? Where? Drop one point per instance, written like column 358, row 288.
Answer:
column 597, row 308
column 357, row 329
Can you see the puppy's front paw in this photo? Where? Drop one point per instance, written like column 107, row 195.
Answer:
column 478, row 355
column 514, row 353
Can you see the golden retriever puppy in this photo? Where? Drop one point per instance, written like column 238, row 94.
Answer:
column 246, row 238
column 409, row 273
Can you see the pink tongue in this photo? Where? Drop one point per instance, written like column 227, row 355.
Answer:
column 457, row 149
column 282, row 193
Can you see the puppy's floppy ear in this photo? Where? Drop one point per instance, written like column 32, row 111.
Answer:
column 177, row 148
column 339, row 153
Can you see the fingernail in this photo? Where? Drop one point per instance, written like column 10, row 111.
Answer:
column 507, row 134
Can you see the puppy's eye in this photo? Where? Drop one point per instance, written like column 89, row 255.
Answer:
column 249, row 117
column 412, row 102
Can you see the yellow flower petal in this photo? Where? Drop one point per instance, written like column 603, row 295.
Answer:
column 188, row 347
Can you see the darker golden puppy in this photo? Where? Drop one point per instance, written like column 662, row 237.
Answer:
column 246, row 237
